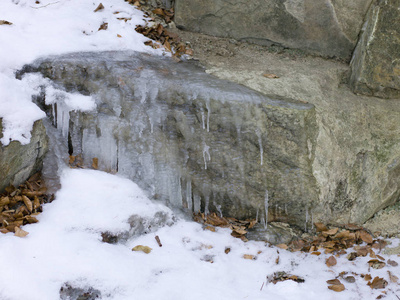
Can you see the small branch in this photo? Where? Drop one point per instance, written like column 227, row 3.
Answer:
column 45, row 5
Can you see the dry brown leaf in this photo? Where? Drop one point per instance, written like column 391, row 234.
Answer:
column 20, row 232
column 100, row 7
column 271, row 76
column 350, row 279
column 4, row 201
column 227, row 250
column 392, row 263
column 366, row 237
column 333, row 281
column 378, row 283
column 211, row 228
column 31, row 219
column 376, row 264
column 36, row 202
column 95, row 163
column 367, row 277
column 320, row 227
column 142, row 248
column 277, row 260
column 249, row 256
column 337, row 287
column 317, row 253
column 28, row 203
column 345, row 234
column 118, row 35
column 331, row 261
column 103, row 26
column 331, row 231
column 392, row 277
column 282, row 246
column 4, row 22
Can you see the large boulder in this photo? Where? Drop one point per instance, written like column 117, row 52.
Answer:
column 375, row 67
column 18, row 162
column 325, row 27
column 190, row 138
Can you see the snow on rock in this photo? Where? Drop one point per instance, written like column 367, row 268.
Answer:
column 48, row 27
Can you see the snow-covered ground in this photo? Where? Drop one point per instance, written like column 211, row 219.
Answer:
column 66, row 245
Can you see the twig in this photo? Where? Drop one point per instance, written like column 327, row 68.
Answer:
column 262, row 286
column 158, row 241
column 45, row 5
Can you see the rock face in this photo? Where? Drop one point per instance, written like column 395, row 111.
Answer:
column 189, row 138
column 375, row 66
column 18, row 162
column 326, row 27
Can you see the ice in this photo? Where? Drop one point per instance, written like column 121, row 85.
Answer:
column 258, row 132
column 189, row 195
column 266, row 204
column 206, row 155
column 208, row 114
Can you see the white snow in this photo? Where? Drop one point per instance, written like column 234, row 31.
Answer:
column 66, row 245
column 55, row 27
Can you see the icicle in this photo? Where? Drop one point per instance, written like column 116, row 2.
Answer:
column 206, row 152
column 312, row 221
column 257, row 216
column 218, row 207
column 207, row 203
column 196, row 203
column 258, row 132
column 208, row 115
column 266, row 208
column 189, row 195
column 203, row 118
column 305, row 225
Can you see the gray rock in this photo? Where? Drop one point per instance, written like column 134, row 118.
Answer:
column 326, row 27
column 18, row 162
column 189, row 138
column 375, row 67
column 276, row 233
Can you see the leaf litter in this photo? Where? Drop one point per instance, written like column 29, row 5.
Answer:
column 20, row 206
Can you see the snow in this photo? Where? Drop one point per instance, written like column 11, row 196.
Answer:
column 66, row 245
column 55, row 27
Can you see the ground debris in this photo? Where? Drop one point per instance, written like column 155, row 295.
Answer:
column 20, row 206
column 239, row 227
column 282, row 276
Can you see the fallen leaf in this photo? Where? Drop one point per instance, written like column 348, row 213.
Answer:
column 378, row 283
column 366, row 237
column 4, row 22
column 103, row 26
column 282, row 246
column 20, row 232
column 317, row 253
column 4, row 201
column 337, row 287
column 227, row 250
column 118, row 35
column 331, row 261
column 211, row 228
column 392, row 277
column 392, row 263
column 271, row 76
column 352, row 256
column 100, row 7
column 27, row 203
column 367, row 277
column 333, row 281
column 249, row 256
column 95, row 163
column 142, row 248
column 332, row 231
column 320, row 227
column 277, row 260
column 159, row 11
column 376, row 264
column 349, row 279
